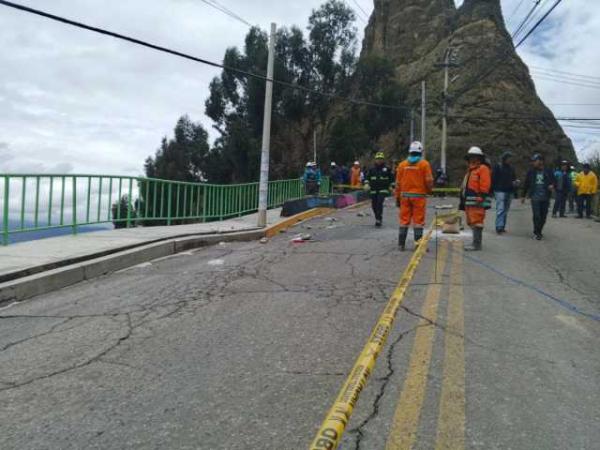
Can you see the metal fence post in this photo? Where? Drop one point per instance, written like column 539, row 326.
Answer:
column 170, row 192
column 5, row 211
column 74, row 221
column 129, row 203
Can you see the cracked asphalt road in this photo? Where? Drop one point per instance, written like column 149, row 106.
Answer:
column 245, row 345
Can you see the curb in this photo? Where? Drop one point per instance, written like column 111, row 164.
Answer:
column 45, row 279
column 51, row 280
column 22, row 273
column 293, row 220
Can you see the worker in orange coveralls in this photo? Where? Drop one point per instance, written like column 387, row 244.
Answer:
column 475, row 194
column 356, row 175
column 414, row 181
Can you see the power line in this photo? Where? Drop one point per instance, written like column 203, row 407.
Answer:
column 573, row 104
column 539, row 22
column 525, row 21
column 567, row 81
column 493, row 65
column 196, row 59
column 358, row 12
column 360, row 8
column 561, row 72
column 516, row 10
column 529, row 118
column 227, row 11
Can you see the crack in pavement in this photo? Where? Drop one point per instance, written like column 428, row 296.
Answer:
column 85, row 363
column 473, row 342
column 35, row 336
column 359, row 430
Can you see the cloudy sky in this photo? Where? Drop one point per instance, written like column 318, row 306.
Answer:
column 74, row 101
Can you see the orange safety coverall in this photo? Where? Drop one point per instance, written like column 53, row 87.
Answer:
column 413, row 183
column 355, row 176
column 477, row 185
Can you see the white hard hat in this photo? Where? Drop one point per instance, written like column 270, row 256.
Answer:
column 356, row 163
column 416, row 147
column 333, row 163
column 475, row 151
column 309, row 164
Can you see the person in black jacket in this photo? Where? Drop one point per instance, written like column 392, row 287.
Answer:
column 562, row 180
column 539, row 185
column 378, row 181
column 504, row 182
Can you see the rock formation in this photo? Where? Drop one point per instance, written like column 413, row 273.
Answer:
column 493, row 101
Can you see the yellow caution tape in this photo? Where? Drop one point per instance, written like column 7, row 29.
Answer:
column 435, row 190
column 332, row 428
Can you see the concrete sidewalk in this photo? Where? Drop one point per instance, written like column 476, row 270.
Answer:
column 27, row 258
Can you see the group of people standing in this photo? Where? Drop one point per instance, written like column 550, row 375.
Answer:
column 413, row 181
column 569, row 187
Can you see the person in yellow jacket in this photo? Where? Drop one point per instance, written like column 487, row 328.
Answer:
column 587, row 186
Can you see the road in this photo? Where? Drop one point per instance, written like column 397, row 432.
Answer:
column 245, row 345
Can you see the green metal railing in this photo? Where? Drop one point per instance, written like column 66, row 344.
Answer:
column 35, row 202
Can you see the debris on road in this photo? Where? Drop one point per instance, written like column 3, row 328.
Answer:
column 216, row 262
column 301, row 238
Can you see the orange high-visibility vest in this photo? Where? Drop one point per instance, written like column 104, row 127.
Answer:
column 414, row 180
column 355, row 176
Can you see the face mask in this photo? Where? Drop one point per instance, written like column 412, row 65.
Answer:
column 414, row 159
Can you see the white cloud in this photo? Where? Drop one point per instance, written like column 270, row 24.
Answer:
column 102, row 106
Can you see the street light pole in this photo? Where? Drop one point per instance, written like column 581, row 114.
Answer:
column 263, row 191
column 448, row 62
column 445, row 111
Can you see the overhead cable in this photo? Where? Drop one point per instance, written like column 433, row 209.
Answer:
column 197, row 59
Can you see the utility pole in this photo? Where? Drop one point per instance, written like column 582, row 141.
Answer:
column 263, row 191
column 412, row 125
column 446, row 65
column 423, row 116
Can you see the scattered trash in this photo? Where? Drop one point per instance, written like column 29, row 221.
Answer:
column 222, row 243
column 264, row 240
column 216, row 262
column 301, row 238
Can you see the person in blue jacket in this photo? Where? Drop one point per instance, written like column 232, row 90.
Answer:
column 562, row 187
column 312, row 179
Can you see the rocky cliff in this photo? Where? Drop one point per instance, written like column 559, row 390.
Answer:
column 493, row 101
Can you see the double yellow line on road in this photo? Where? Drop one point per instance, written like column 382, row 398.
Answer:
column 332, row 428
column 451, row 419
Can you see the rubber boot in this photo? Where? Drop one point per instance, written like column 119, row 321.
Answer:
column 477, row 240
column 418, row 236
column 402, row 235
